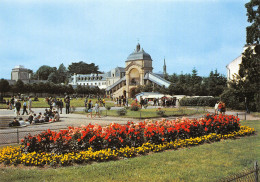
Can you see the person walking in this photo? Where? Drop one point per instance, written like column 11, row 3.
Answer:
column 25, row 107
column 18, row 107
column 97, row 109
column 89, row 109
column 61, row 105
column 223, row 109
column 220, row 107
column 53, row 105
column 7, row 104
column 67, row 106
column 86, row 102
column 11, row 102
column 216, row 107
column 58, row 105
column 104, row 103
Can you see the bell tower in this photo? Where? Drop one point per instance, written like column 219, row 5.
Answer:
column 138, row 64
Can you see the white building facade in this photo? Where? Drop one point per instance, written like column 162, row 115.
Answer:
column 234, row 66
column 91, row 80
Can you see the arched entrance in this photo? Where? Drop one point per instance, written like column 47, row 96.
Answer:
column 134, row 77
column 132, row 92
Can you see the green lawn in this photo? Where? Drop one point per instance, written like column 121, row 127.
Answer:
column 74, row 102
column 255, row 114
column 208, row 162
column 151, row 113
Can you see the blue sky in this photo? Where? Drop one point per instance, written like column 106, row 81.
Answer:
column 205, row 34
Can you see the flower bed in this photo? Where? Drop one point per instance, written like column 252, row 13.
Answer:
column 116, row 136
column 15, row 155
column 96, row 143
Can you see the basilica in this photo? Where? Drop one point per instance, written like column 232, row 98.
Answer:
column 124, row 81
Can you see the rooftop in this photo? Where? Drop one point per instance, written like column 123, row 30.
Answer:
column 138, row 54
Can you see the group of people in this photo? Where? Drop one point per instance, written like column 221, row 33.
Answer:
column 48, row 116
column 90, row 107
column 220, row 107
column 58, row 104
column 17, row 103
column 163, row 102
column 121, row 101
column 101, row 101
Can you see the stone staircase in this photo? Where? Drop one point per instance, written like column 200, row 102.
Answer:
column 119, row 92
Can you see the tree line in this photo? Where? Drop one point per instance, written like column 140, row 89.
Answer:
column 62, row 74
column 191, row 84
column 50, row 88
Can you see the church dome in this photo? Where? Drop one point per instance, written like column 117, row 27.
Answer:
column 138, row 54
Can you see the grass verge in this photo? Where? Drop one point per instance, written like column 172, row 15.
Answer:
column 208, row 162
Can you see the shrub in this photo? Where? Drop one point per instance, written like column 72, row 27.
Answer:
column 199, row 101
column 135, row 106
column 121, row 112
column 232, row 99
column 160, row 112
column 108, row 108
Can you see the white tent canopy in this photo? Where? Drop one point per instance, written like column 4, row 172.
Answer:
column 151, row 95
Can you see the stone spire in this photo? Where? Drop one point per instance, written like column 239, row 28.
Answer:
column 164, row 68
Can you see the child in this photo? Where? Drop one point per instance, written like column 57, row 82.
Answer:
column 90, row 109
column 97, row 109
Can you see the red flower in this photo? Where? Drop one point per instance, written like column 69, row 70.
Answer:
column 28, row 144
column 206, row 129
column 78, row 139
column 22, row 140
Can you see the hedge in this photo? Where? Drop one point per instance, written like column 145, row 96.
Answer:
column 199, row 101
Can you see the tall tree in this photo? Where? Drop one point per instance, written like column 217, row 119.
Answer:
column 4, row 86
column 215, row 83
column 83, row 68
column 245, row 87
column 43, row 72
column 18, row 87
column 249, row 71
column 62, row 74
column 53, row 77
column 253, row 17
